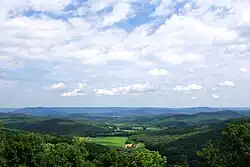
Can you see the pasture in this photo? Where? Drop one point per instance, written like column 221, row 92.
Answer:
column 108, row 141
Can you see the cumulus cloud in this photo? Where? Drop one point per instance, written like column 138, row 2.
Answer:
column 57, row 86
column 129, row 89
column 244, row 70
column 215, row 96
column 47, row 5
column 120, row 11
column 60, row 86
column 38, row 5
column 46, row 38
column 79, row 91
column 122, row 40
column 7, row 83
column 158, row 72
column 227, row 84
column 188, row 87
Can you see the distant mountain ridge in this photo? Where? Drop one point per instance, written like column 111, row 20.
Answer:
column 118, row 111
column 40, row 111
column 57, row 126
column 8, row 109
column 189, row 119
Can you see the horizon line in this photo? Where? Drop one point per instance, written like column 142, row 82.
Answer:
column 213, row 107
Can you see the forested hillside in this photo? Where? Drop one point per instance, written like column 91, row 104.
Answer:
column 196, row 140
column 19, row 149
column 59, row 126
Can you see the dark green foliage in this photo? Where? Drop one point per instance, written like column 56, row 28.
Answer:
column 180, row 143
column 23, row 149
column 148, row 158
column 58, row 126
column 142, row 158
column 233, row 149
column 199, row 118
column 63, row 154
column 176, row 137
column 183, row 119
column 35, row 150
column 2, row 147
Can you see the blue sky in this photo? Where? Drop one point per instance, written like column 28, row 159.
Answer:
column 173, row 53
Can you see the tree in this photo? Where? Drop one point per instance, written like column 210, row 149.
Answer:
column 233, row 149
column 184, row 163
column 2, row 147
column 23, row 149
column 64, row 154
column 148, row 158
column 210, row 155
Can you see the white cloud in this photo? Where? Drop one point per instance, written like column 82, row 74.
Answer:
column 227, row 83
column 194, row 98
column 76, row 92
column 121, row 11
column 158, row 72
column 50, row 39
column 245, row 18
column 96, row 5
column 76, row 39
column 215, row 96
column 58, row 86
column 188, row 87
column 7, row 83
column 165, row 7
column 180, row 59
column 129, row 89
column 244, row 70
column 47, row 5
column 39, row 5
column 8, row 63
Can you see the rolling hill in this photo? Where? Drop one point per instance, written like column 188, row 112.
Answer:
column 187, row 119
column 116, row 111
column 57, row 126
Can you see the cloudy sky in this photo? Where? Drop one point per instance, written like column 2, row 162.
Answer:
column 173, row 53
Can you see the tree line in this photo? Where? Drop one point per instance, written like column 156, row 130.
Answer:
column 229, row 147
column 24, row 149
column 225, row 144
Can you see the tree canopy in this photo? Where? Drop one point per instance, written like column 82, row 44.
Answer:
column 19, row 149
column 232, row 150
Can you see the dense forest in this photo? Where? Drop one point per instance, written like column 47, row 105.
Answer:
column 22, row 149
column 216, row 139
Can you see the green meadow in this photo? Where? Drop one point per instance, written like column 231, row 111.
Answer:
column 108, row 141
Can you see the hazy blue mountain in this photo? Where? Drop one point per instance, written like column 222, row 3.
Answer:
column 186, row 119
column 193, row 110
column 41, row 111
column 201, row 118
column 142, row 111
column 98, row 111
column 245, row 112
column 7, row 109
column 118, row 111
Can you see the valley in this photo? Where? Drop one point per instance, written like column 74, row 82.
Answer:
column 176, row 136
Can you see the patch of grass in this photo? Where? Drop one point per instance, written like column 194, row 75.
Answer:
column 140, row 145
column 153, row 129
column 137, row 128
column 108, row 141
column 129, row 131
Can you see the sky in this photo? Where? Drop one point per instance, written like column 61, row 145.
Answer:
column 168, row 53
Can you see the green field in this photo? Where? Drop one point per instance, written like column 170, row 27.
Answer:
column 109, row 141
column 140, row 145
